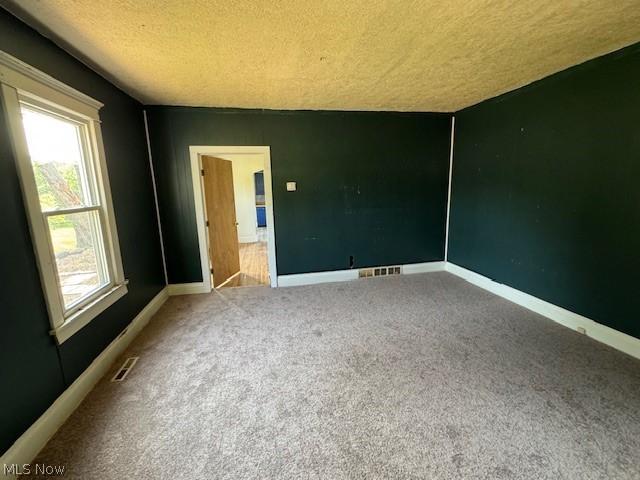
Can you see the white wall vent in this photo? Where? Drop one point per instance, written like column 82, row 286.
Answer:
column 124, row 370
column 379, row 271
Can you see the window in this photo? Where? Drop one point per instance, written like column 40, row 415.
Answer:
column 58, row 148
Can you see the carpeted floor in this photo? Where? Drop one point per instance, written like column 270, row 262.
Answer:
column 421, row 376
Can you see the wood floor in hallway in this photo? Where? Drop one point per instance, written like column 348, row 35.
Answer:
column 254, row 269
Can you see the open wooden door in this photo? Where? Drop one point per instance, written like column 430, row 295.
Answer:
column 221, row 214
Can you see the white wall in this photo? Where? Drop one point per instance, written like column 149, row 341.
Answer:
column 244, row 166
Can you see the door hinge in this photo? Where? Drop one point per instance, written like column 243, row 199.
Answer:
column 202, row 172
column 206, row 224
column 211, row 269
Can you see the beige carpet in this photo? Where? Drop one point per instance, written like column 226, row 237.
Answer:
column 420, row 376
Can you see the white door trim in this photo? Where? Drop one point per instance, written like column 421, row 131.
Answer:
column 195, row 152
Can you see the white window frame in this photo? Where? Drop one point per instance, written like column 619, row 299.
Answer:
column 20, row 82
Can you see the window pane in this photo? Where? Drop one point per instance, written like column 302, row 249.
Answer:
column 79, row 254
column 55, row 149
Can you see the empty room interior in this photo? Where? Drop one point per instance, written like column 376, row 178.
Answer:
column 328, row 240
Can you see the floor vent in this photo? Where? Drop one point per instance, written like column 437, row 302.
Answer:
column 379, row 272
column 124, row 370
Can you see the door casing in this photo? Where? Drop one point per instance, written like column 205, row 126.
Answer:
column 227, row 153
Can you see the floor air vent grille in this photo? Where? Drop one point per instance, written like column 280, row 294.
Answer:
column 379, row 272
column 124, row 370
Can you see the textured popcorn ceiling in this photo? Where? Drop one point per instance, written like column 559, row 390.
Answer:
column 334, row 54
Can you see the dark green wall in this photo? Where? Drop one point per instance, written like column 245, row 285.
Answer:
column 546, row 189
column 371, row 185
column 33, row 371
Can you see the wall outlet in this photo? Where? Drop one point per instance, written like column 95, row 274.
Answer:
column 291, row 186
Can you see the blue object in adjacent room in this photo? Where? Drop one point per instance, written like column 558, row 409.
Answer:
column 261, row 214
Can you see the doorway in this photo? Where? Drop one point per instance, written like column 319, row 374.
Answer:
column 234, row 212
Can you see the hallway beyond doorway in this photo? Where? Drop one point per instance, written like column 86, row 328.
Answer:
column 253, row 266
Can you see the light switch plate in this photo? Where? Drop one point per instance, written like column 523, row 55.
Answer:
column 291, row 186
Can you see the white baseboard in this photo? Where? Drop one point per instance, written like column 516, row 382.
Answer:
column 187, row 288
column 247, row 238
column 618, row 340
column 25, row 449
column 298, row 279
column 426, row 267
column 352, row 274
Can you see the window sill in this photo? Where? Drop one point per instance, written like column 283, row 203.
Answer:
column 82, row 317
